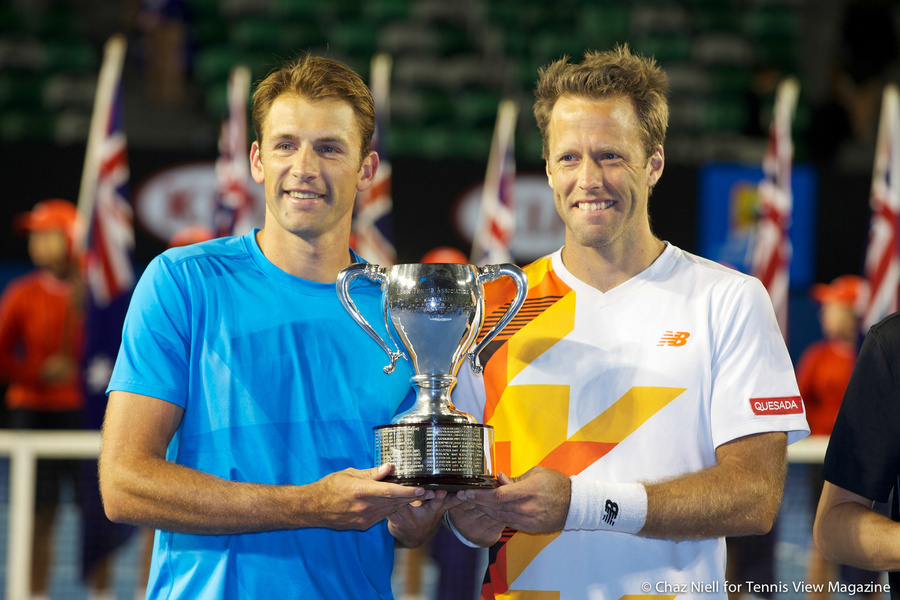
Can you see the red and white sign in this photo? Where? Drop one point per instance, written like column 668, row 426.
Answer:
column 788, row 405
column 185, row 195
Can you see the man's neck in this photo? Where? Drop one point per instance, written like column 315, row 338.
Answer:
column 320, row 260
column 606, row 268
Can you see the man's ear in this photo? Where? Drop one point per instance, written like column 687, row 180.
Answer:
column 657, row 162
column 367, row 172
column 256, row 168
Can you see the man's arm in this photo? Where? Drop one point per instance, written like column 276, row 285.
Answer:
column 849, row 532
column 740, row 495
column 139, row 486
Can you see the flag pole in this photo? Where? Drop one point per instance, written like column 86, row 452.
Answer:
column 381, row 85
column 110, row 72
column 490, row 216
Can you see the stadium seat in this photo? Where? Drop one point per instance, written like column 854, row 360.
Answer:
column 70, row 56
column 69, row 89
column 19, row 125
column 722, row 48
column 20, row 91
column 477, row 107
column 353, row 36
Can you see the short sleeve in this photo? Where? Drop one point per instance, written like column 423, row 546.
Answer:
column 863, row 455
column 754, row 388
column 153, row 356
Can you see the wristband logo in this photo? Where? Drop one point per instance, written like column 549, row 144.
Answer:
column 788, row 405
column 610, row 512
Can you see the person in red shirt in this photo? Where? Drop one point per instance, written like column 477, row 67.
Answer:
column 41, row 341
column 823, row 373
column 825, row 366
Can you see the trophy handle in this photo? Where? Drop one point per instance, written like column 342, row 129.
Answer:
column 376, row 274
column 490, row 273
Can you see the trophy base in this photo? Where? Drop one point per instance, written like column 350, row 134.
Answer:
column 440, row 456
column 451, row 483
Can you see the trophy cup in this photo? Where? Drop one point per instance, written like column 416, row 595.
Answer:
column 434, row 311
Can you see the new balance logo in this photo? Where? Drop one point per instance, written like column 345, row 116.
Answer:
column 610, row 512
column 674, row 338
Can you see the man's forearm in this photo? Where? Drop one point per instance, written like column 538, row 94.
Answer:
column 848, row 531
column 189, row 501
column 854, row 535
column 172, row 497
column 738, row 496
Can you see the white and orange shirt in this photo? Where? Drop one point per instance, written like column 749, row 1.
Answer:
column 640, row 383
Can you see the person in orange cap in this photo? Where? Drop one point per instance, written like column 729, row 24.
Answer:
column 823, row 373
column 824, row 368
column 41, row 339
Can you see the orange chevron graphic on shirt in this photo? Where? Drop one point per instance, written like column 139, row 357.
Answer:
column 543, row 412
column 604, row 432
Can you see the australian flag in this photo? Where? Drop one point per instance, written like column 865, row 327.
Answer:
column 109, row 280
column 882, row 266
column 496, row 220
column 373, row 224
column 234, row 210
column 772, row 250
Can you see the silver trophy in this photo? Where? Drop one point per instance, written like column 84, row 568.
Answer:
column 434, row 311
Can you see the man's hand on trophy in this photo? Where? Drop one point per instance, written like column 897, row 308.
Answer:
column 415, row 523
column 357, row 499
column 536, row 502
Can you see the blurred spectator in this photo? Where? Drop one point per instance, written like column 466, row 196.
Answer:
column 761, row 98
column 868, row 46
column 191, row 234
column 825, row 366
column 445, row 254
column 164, row 27
column 41, row 342
column 866, row 51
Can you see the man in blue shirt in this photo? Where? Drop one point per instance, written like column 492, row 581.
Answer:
column 243, row 399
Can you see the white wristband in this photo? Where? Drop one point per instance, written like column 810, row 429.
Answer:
column 449, row 523
column 606, row 506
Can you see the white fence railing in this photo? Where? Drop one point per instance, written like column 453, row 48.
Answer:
column 23, row 449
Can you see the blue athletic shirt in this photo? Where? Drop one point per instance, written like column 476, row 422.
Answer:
column 279, row 386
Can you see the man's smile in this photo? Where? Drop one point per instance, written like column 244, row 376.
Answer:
column 304, row 195
column 590, row 206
